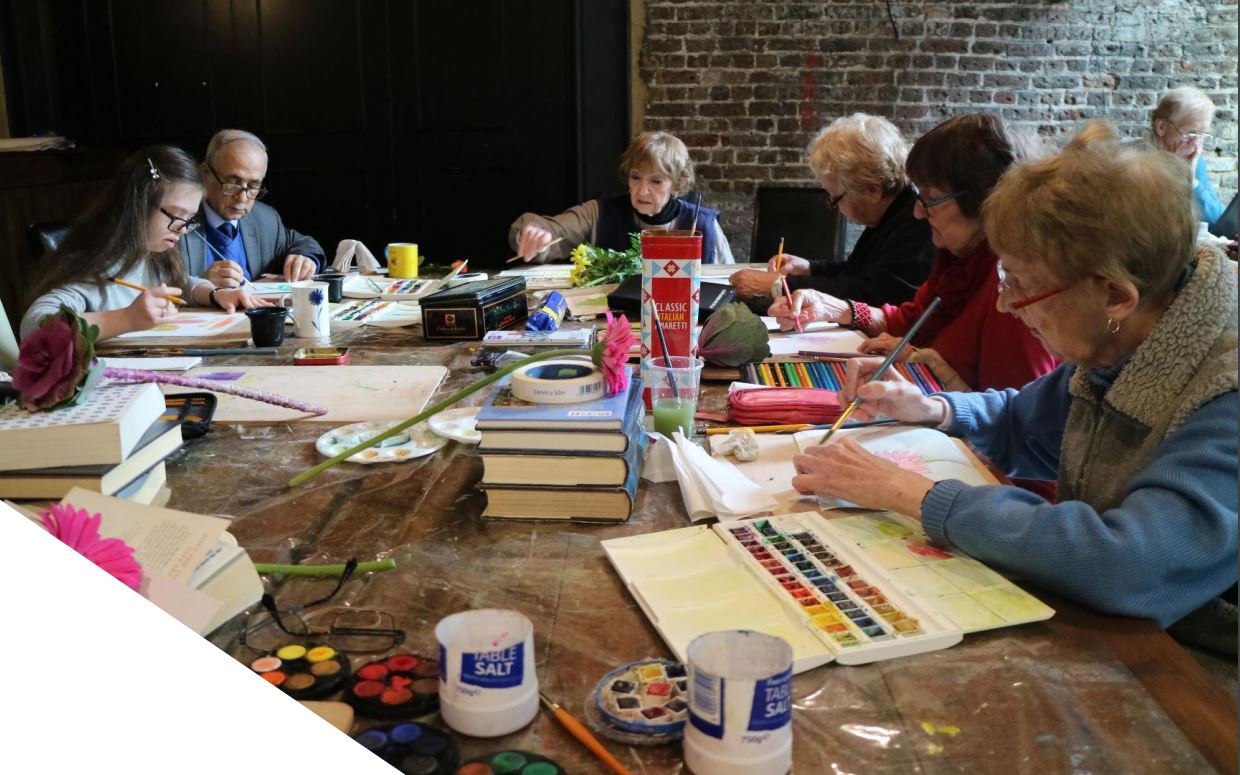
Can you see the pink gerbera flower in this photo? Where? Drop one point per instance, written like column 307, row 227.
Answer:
column 906, row 459
column 80, row 531
column 612, row 353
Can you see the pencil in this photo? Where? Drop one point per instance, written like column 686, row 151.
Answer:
column 136, row 287
column 783, row 279
column 779, row 258
column 830, row 356
column 760, row 428
column 574, row 728
column 549, row 244
column 883, row 367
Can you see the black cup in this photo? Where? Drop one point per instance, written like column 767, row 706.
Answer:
column 267, row 325
column 335, row 285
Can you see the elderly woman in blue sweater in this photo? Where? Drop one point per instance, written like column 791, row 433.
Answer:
column 1139, row 424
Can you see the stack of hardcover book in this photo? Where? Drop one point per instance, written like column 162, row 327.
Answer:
column 576, row 461
column 114, row 442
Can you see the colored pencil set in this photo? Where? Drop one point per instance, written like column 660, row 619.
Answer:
column 828, row 375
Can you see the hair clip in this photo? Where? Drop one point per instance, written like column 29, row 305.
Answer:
column 154, row 172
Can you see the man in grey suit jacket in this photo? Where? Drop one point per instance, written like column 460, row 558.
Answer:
column 243, row 238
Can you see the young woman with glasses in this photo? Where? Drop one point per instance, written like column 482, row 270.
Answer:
column 131, row 233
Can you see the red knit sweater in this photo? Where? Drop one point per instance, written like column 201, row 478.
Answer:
column 988, row 348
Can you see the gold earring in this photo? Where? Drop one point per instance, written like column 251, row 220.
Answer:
column 1112, row 326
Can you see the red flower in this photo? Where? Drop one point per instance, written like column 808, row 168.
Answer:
column 80, row 531
column 55, row 361
column 612, row 353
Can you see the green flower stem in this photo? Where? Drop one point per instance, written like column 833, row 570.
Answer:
column 323, row 570
column 305, row 476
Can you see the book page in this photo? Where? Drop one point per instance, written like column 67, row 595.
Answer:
column 169, row 542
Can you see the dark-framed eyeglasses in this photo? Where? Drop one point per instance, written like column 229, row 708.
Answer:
column 1006, row 289
column 926, row 204
column 236, row 189
column 347, row 629
column 1201, row 139
column 178, row 225
column 833, row 202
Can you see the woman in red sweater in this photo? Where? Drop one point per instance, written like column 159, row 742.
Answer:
column 968, row 342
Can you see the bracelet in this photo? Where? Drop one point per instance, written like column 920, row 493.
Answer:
column 211, row 298
column 861, row 317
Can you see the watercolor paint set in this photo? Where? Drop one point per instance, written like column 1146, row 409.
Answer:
column 389, row 289
column 853, row 589
column 829, row 375
column 398, row 686
column 304, row 672
column 649, row 697
column 414, row 749
column 511, row 763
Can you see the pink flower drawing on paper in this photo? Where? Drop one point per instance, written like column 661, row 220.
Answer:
column 80, row 531
column 906, row 459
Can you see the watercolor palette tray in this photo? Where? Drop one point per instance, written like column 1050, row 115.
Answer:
column 645, row 697
column 844, row 596
column 388, row 289
column 375, row 312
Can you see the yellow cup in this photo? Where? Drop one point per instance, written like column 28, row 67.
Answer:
column 402, row 258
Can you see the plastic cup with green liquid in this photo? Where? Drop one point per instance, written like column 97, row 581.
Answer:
column 674, row 386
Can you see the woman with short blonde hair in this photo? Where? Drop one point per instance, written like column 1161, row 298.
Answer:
column 1180, row 124
column 859, row 161
column 1139, row 424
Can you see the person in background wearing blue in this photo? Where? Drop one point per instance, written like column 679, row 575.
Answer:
column 131, row 232
column 241, row 237
column 1181, row 125
column 1097, row 256
column 657, row 168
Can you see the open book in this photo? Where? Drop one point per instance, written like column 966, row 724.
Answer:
column 191, row 567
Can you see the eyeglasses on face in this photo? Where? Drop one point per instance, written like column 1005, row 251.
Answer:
column 1007, row 287
column 926, row 204
column 1194, row 138
column 236, row 189
column 834, row 201
column 178, row 225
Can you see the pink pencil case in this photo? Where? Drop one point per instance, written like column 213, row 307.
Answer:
column 783, row 406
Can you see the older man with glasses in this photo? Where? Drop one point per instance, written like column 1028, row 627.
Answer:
column 241, row 237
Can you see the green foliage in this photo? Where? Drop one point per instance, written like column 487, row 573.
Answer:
column 599, row 266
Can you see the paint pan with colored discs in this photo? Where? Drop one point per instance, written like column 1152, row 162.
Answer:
column 414, row 749
column 648, row 697
column 399, row 686
column 511, row 763
column 304, row 672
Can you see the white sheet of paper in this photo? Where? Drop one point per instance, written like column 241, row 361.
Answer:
column 191, row 607
column 828, row 338
column 729, row 494
column 184, row 363
column 772, row 325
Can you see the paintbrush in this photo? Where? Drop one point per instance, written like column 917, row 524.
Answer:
column 574, row 728
column 849, row 425
column 830, row 356
column 883, row 367
column 696, row 210
column 168, row 352
column 219, row 256
column 377, row 288
column 658, row 327
column 136, row 287
column 549, row 244
column 760, row 428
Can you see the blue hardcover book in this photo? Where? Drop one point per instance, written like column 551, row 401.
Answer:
column 503, row 410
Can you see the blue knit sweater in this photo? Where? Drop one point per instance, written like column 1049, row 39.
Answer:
column 1165, row 551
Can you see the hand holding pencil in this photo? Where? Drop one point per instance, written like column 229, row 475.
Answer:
column 890, row 396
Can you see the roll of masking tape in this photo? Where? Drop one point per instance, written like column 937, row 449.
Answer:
column 564, row 381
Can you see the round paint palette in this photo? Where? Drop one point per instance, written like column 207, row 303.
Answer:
column 648, row 697
column 511, row 763
column 414, row 749
column 304, row 672
column 399, row 686
column 411, row 443
column 457, row 424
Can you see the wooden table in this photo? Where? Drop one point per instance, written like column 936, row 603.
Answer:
column 1078, row 693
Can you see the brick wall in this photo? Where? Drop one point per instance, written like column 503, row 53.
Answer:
column 748, row 84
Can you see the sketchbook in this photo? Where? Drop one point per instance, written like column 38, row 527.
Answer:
column 853, row 589
column 194, row 324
